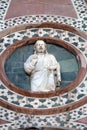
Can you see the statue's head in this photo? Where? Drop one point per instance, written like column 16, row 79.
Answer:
column 40, row 46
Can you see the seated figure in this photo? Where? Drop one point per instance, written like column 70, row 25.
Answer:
column 43, row 68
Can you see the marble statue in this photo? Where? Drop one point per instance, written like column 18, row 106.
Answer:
column 43, row 68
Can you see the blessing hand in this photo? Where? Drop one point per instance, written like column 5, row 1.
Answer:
column 34, row 59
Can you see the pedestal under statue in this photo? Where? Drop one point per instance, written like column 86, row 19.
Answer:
column 43, row 68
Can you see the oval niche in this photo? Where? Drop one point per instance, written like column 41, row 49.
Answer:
column 71, row 61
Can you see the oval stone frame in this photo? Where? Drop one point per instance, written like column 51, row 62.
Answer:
column 80, row 58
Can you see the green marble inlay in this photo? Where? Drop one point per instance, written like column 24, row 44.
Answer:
column 80, row 96
column 69, row 101
column 42, row 100
column 81, row 40
column 10, row 93
column 28, row 105
column 54, row 99
column 10, row 36
column 23, row 32
column 10, row 128
column 19, row 97
column 69, row 65
column 56, row 105
column 15, row 102
column 58, row 119
column 75, row 43
column 2, row 87
column 82, row 85
column 4, row 97
column 42, row 106
column 31, row 99
column 71, row 34
column 49, row 124
column 25, row 37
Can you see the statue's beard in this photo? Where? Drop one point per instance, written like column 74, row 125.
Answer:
column 41, row 51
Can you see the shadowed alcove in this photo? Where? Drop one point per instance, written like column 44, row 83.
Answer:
column 14, row 66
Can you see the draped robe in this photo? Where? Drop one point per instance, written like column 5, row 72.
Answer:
column 43, row 79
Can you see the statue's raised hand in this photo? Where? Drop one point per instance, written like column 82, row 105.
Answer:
column 34, row 59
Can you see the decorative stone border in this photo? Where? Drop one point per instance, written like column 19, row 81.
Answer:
column 69, row 47
column 49, row 25
column 19, row 120
column 81, row 23
column 34, row 19
column 81, row 8
column 4, row 4
column 47, row 111
column 43, row 25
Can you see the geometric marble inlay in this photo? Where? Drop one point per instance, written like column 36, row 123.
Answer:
column 58, row 48
column 66, row 108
